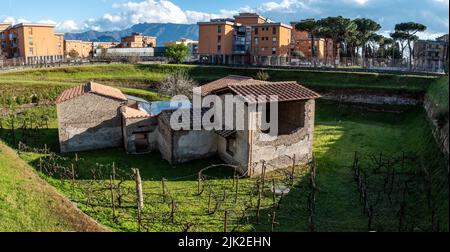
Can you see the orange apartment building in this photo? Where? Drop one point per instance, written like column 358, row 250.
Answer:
column 247, row 39
column 83, row 48
column 137, row 40
column 301, row 45
column 32, row 43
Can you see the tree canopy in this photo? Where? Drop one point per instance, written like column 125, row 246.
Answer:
column 177, row 53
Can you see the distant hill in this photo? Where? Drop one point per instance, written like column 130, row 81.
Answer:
column 164, row 32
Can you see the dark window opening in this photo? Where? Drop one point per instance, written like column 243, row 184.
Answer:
column 231, row 146
column 291, row 117
column 141, row 142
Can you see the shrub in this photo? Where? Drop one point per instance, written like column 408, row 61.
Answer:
column 179, row 83
column 177, row 53
column 263, row 76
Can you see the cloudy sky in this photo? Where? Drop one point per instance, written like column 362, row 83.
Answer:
column 101, row 15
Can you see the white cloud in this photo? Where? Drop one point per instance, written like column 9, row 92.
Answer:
column 12, row 20
column 284, row 5
column 112, row 18
column 67, row 26
column 9, row 20
column 158, row 11
column 49, row 21
column 357, row 2
column 446, row 2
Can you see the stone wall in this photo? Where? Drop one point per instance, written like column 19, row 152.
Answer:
column 373, row 97
column 135, row 126
column 89, row 122
column 240, row 157
column 278, row 153
column 440, row 132
column 192, row 145
column 164, row 139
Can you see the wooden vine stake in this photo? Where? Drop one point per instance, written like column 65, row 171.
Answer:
column 209, row 200
column 237, row 189
column 293, row 171
column 139, row 195
column 73, row 176
column 199, row 192
column 258, row 207
column 111, row 188
column 164, row 191
column 172, row 213
column 225, row 222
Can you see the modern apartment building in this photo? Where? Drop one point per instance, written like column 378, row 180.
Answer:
column 247, row 39
column 32, row 43
column 137, row 40
column 3, row 27
column 83, row 49
column 432, row 55
column 302, row 47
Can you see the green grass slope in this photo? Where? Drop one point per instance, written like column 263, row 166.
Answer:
column 28, row 204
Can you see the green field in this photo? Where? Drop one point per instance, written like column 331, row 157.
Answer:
column 341, row 130
column 339, row 133
column 144, row 75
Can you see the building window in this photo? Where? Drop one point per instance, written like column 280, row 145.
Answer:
column 219, row 29
column 274, row 40
column 30, row 40
column 219, row 39
column 31, row 51
column 256, row 41
column 274, row 50
column 274, row 30
column 256, row 31
column 219, row 48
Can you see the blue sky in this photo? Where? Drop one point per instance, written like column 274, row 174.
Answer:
column 82, row 15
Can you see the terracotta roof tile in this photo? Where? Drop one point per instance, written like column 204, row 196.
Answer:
column 91, row 87
column 286, row 91
column 131, row 113
column 222, row 83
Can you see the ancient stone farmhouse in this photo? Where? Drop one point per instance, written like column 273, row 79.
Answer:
column 94, row 116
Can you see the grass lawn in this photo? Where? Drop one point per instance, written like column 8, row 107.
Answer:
column 340, row 131
column 28, row 204
column 143, row 76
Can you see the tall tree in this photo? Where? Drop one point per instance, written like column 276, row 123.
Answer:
column 325, row 33
column 339, row 29
column 366, row 29
column 311, row 26
column 410, row 29
column 401, row 38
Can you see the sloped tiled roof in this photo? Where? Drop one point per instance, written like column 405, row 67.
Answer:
column 222, row 83
column 286, row 91
column 131, row 113
column 91, row 87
